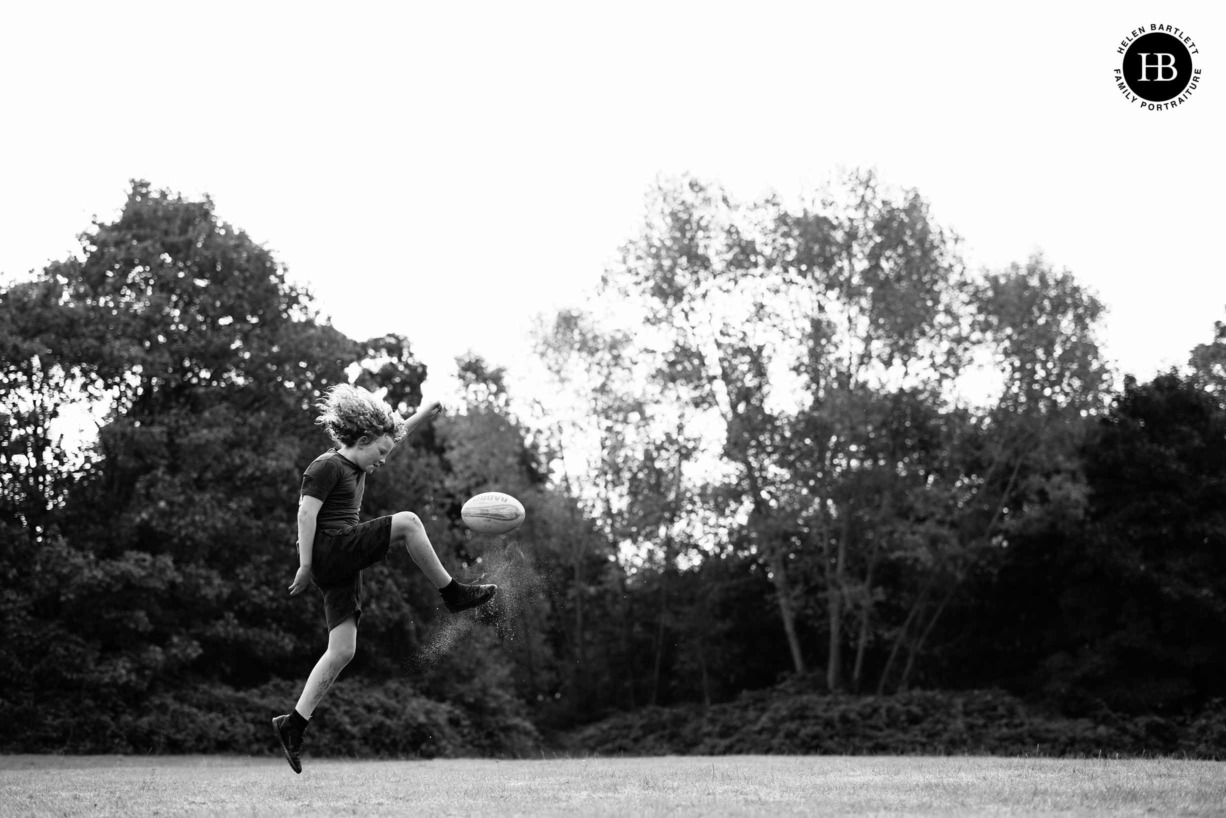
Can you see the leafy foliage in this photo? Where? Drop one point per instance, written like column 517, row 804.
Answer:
column 795, row 397
column 793, row 721
column 759, row 459
column 157, row 565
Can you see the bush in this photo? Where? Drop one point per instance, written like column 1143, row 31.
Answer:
column 358, row 720
column 784, row 721
column 1206, row 736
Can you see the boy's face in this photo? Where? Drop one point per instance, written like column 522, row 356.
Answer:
column 373, row 454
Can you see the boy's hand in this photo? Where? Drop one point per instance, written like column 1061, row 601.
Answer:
column 302, row 580
column 432, row 408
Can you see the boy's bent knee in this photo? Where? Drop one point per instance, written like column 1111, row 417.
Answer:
column 406, row 521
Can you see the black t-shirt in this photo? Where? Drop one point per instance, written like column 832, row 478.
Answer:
column 335, row 480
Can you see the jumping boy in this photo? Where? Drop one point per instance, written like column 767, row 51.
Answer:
column 334, row 547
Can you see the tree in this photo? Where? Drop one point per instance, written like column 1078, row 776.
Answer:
column 813, row 356
column 183, row 341
column 1156, row 548
column 1015, row 461
column 389, row 366
column 1208, row 363
column 1115, row 604
column 883, row 288
column 697, row 276
column 586, row 428
column 41, row 376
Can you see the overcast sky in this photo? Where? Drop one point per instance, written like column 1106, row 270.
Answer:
column 449, row 170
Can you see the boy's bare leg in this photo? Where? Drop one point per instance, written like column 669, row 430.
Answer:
column 342, row 644
column 408, row 531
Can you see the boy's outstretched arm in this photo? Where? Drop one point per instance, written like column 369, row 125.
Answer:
column 308, row 511
column 426, row 411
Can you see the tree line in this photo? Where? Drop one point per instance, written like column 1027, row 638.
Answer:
column 783, row 441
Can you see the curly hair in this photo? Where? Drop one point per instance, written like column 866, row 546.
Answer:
column 349, row 412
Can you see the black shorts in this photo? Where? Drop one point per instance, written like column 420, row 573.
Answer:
column 337, row 561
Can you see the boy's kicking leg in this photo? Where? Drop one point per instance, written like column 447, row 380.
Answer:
column 408, row 530
column 342, row 644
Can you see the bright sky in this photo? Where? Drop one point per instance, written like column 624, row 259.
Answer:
column 449, row 170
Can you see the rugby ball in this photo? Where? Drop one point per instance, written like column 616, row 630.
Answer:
column 493, row 513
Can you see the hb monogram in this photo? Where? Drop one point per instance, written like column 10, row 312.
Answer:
column 1161, row 65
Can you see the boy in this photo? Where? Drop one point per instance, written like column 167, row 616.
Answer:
column 334, row 547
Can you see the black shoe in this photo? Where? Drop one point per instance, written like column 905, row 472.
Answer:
column 291, row 742
column 460, row 597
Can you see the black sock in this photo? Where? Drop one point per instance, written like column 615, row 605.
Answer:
column 450, row 588
column 296, row 722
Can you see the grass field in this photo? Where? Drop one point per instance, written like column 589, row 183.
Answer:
column 720, row 786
